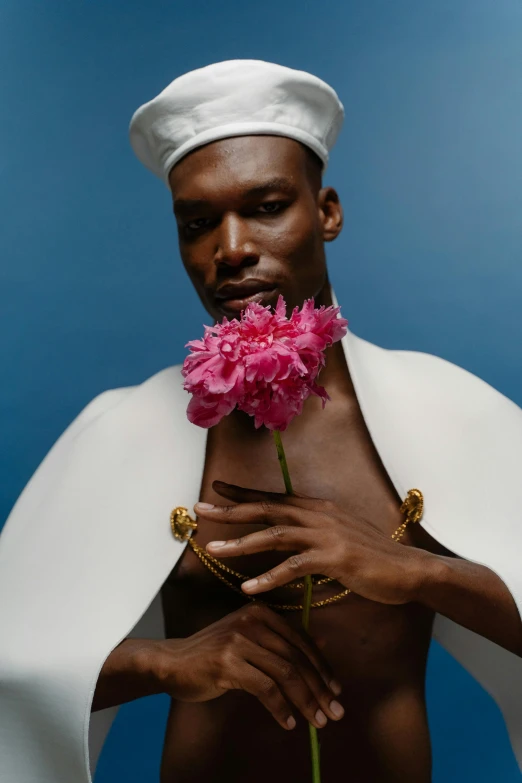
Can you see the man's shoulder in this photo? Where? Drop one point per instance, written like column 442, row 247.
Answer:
column 449, row 378
column 100, row 404
column 109, row 399
column 452, row 378
column 426, row 380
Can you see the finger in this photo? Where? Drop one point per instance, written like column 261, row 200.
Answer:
column 321, row 642
column 302, row 564
column 299, row 639
column 258, row 684
column 248, row 495
column 262, row 513
column 322, row 692
column 287, row 676
column 278, row 538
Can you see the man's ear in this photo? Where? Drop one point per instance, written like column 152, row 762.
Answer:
column 331, row 213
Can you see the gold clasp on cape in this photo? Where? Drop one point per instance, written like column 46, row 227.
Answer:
column 181, row 523
column 413, row 505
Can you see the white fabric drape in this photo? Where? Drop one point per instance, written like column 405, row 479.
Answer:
column 88, row 544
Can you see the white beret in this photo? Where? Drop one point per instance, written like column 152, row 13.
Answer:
column 235, row 98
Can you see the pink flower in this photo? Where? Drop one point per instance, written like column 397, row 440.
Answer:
column 264, row 364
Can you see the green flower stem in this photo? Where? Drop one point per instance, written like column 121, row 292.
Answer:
column 282, row 461
column 314, row 741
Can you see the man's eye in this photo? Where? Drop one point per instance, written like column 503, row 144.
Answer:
column 269, row 208
column 277, row 204
column 194, row 225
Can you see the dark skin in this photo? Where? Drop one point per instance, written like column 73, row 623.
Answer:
column 238, row 673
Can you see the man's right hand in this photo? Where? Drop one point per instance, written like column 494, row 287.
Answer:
column 252, row 649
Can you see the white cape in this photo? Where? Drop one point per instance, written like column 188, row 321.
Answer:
column 88, row 543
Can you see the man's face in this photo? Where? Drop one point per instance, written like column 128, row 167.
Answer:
column 252, row 224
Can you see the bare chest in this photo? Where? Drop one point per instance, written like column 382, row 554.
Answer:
column 337, row 461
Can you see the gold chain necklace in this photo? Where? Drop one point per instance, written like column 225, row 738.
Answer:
column 182, row 526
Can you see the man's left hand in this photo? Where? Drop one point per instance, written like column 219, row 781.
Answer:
column 326, row 540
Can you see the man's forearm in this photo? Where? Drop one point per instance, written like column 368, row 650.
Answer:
column 473, row 596
column 126, row 675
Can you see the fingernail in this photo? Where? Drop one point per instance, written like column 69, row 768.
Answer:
column 336, row 687
column 291, row 722
column 337, row 709
column 215, row 545
column 250, row 584
column 203, row 507
column 320, row 718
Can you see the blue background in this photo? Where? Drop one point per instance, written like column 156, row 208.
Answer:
column 92, row 292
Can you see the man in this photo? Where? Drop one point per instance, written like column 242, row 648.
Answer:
column 242, row 146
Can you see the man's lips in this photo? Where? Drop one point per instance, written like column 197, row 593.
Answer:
column 235, row 297
column 237, row 303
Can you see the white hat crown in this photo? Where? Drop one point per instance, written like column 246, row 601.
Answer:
column 235, row 98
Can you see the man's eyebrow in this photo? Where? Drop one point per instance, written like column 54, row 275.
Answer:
column 182, row 205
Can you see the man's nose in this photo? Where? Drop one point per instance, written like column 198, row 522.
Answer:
column 235, row 245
